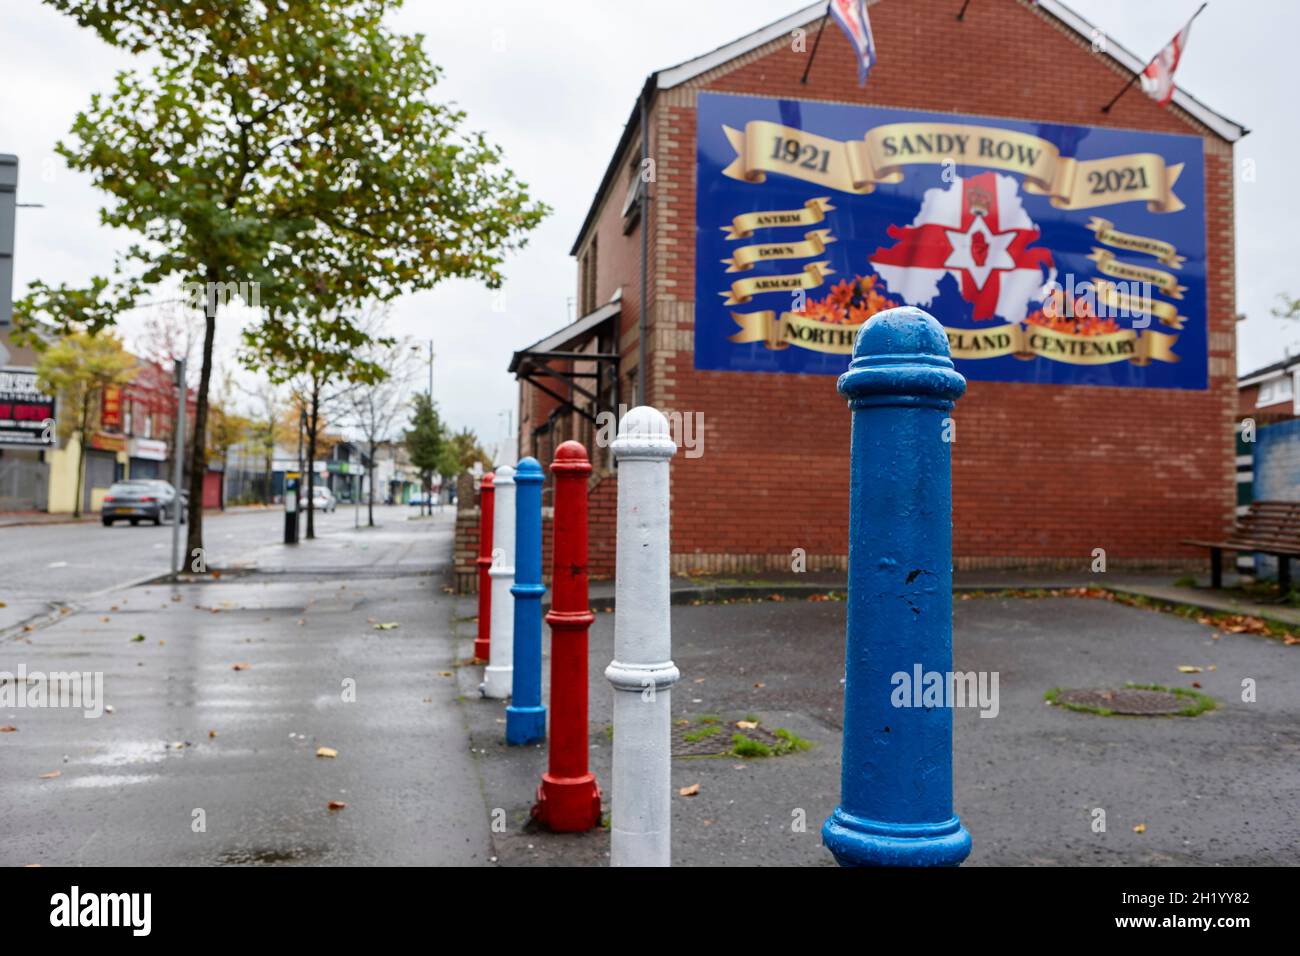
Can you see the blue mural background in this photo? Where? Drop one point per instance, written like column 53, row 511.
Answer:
column 860, row 222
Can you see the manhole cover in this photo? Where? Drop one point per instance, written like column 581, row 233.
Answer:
column 708, row 738
column 1128, row 701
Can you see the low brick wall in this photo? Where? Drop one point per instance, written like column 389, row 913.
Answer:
column 602, row 501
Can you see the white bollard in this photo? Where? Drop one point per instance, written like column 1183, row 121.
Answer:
column 498, row 676
column 642, row 671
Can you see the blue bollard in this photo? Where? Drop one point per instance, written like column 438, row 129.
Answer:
column 896, row 776
column 526, row 717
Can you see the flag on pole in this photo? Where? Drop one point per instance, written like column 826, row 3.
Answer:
column 1158, row 77
column 851, row 15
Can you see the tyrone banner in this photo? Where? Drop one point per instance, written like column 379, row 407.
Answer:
column 1108, row 235
column 859, row 166
column 1051, row 253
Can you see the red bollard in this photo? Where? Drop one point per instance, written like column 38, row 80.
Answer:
column 487, row 492
column 568, row 800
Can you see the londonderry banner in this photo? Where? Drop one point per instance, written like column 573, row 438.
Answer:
column 1050, row 253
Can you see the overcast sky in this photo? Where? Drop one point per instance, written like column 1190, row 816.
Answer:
column 552, row 83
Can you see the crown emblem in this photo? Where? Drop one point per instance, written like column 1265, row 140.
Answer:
column 980, row 201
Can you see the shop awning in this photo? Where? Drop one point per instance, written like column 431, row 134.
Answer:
column 534, row 364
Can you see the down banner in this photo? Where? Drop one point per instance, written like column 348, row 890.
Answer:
column 1050, row 253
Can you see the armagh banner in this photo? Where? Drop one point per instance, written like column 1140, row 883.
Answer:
column 1050, row 253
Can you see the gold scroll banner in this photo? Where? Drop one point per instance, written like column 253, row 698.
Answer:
column 790, row 328
column 812, row 212
column 814, row 244
column 1030, row 341
column 787, row 329
column 1166, row 282
column 742, row 290
column 858, row 166
column 1107, row 235
column 1127, row 304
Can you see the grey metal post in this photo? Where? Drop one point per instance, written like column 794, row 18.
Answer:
column 179, row 466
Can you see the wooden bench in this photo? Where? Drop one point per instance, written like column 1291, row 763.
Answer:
column 1269, row 527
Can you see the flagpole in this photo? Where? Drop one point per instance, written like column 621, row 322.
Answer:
column 816, row 43
column 1133, row 79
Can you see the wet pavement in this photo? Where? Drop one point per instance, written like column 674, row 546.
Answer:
column 203, row 763
column 192, row 739
column 1211, row 790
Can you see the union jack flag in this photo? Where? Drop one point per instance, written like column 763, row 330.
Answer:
column 851, row 15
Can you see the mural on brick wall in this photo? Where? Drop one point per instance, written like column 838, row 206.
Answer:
column 1050, row 253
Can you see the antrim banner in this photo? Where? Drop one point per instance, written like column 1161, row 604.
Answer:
column 1061, row 254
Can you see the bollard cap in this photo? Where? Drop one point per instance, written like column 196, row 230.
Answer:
column 505, row 475
column 901, row 357
column 486, row 481
column 571, row 460
column 644, row 434
column 529, row 472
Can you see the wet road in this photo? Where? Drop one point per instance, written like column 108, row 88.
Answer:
column 202, row 763
column 42, row 565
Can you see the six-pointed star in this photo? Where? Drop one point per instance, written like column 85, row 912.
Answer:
column 995, row 254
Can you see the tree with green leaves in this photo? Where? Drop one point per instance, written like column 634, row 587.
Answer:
column 466, row 451
column 320, row 358
column 78, row 368
column 288, row 151
column 426, row 442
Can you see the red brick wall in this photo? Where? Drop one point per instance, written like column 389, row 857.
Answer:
column 1043, row 474
column 602, row 496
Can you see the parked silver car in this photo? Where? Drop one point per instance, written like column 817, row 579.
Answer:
column 142, row 499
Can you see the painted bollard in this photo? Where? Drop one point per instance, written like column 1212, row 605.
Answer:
column 483, row 642
column 497, row 678
column 896, row 777
column 568, row 799
column 526, row 717
column 642, row 671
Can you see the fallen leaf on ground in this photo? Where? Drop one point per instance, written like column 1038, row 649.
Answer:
column 241, row 666
column 326, row 752
column 140, row 637
column 387, row 626
column 1196, row 684
column 8, row 729
column 1188, row 669
column 440, row 673
column 1140, row 828
column 759, row 685
column 337, row 805
column 52, row 774
column 301, row 622
column 211, row 733
column 690, row 791
column 742, row 724
column 103, row 620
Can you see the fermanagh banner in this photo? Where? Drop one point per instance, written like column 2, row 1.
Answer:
column 1050, row 253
